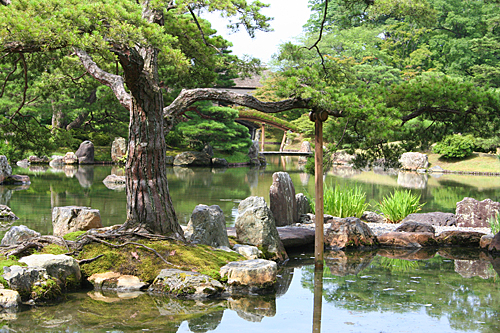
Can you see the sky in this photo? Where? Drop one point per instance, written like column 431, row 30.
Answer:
column 289, row 17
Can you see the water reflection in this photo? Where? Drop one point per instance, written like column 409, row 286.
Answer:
column 370, row 291
column 225, row 187
column 318, row 300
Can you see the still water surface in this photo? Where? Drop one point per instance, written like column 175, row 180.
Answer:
column 83, row 186
column 362, row 292
column 380, row 291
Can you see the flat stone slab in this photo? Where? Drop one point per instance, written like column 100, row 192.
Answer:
column 290, row 236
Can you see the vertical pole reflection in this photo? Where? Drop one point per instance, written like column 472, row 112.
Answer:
column 318, row 299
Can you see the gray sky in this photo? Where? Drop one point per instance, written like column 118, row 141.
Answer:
column 289, row 17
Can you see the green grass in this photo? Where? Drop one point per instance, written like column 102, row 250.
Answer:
column 236, row 157
column 396, row 206
column 475, row 163
column 495, row 224
column 342, row 201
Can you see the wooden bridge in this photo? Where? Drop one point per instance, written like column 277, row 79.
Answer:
column 264, row 118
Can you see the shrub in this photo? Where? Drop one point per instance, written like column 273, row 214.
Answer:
column 342, row 201
column 455, row 146
column 399, row 204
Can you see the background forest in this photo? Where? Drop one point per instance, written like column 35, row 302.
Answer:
column 394, row 76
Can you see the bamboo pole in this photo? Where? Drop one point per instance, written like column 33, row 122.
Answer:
column 318, row 118
column 263, row 137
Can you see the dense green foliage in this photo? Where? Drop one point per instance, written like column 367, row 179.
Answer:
column 49, row 100
column 405, row 72
column 214, row 125
column 455, row 146
column 398, row 205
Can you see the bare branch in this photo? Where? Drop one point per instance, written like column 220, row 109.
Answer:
column 315, row 45
column 425, row 109
column 201, row 31
column 188, row 97
column 115, row 82
column 8, row 76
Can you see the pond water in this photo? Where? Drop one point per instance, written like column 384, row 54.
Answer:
column 83, row 186
column 450, row 290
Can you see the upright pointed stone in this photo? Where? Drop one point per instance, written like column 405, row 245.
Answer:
column 282, row 200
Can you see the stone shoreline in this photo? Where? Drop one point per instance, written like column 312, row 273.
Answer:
column 380, row 228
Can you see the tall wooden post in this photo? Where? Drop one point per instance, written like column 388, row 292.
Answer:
column 318, row 118
column 263, row 137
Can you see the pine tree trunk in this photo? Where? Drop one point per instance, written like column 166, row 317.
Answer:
column 149, row 205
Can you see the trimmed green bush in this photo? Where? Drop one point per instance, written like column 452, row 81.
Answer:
column 399, row 205
column 455, row 146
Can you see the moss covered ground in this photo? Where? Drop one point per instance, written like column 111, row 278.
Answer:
column 139, row 261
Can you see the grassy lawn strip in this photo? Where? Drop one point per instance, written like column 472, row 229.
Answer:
column 475, row 163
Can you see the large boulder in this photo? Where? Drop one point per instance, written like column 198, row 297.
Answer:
column 247, row 251
column 407, row 239
column 282, row 201
column 256, row 276
column 460, row 238
column 208, row 150
column 61, row 267
column 18, row 234
column 116, row 281
column 85, row 153
column 118, row 150
column 341, row 157
column 253, row 153
column 255, row 226
column 7, row 214
column 74, row 218
column 412, row 226
column 207, row 225
column 349, row 232
column 473, row 213
column 372, row 217
column 435, row 218
column 31, row 282
column 5, row 168
column 414, row 161
column 9, row 299
column 303, row 205
column 70, row 158
column 494, row 244
column 219, row 162
column 185, row 284
column 192, row 158
column 38, row 160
